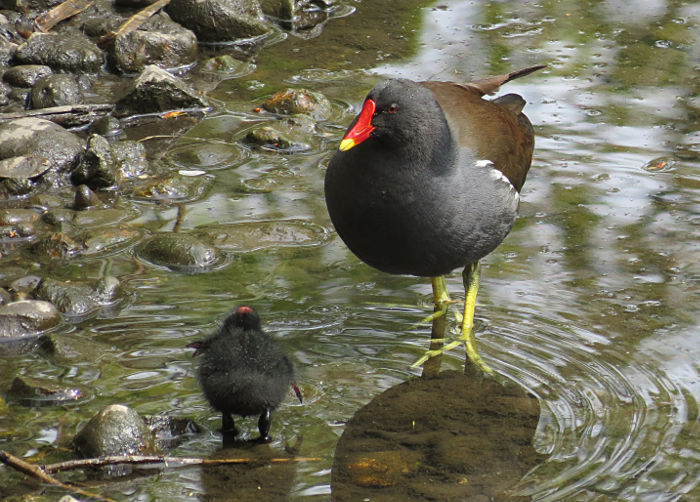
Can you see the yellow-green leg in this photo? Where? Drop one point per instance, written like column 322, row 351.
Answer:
column 471, row 276
column 438, row 333
column 441, row 299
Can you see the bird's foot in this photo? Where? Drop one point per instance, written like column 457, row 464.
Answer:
column 441, row 310
column 436, row 352
column 473, row 356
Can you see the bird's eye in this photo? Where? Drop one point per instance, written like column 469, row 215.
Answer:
column 393, row 108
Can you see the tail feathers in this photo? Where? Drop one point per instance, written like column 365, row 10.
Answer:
column 491, row 84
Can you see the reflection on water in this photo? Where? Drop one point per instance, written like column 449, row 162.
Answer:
column 590, row 304
column 452, row 437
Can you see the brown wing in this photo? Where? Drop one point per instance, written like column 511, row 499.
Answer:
column 495, row 130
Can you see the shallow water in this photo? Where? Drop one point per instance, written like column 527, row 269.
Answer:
column 590, row 304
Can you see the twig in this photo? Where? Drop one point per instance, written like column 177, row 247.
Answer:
column 168, row 461
column 37, row 472
column 133, row 22
column 67, row 9
column 65, row 115
column 180, row 218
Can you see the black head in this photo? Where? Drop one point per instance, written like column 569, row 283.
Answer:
column 243, row 317
column 397, row 111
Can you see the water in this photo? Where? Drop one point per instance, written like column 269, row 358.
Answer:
column 590, row 304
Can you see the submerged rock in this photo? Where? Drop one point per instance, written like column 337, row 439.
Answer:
column 115, row 430
column 22, row 324
column 79, row 299
column 179, row 251
column 27, row 317
column 40, row 392
column 84, row 242
column 174, row 188
column 169, row 431
column 255, row 235
column 292, row 101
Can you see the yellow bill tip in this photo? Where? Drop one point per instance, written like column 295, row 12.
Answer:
column 346, row 144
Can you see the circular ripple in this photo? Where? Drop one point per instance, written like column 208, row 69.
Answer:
column 613, row 425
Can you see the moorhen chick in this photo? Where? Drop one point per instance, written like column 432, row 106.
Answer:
column 243, row 371
column 428, row 178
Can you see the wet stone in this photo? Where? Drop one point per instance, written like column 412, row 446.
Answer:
column 170, row 432
column 219, row 20
column 40, row 392
column 293, row 101
column 174, row 188
column 106, row 126
column 12, row 235
column 85, row 198
column 24, row 286
column 98, row 169
column 42, row 139
column 76, row 299
column 292, row 135
column 156, row 90
column 7, row 51
column 26, row 75
column 115, row 430
column 56, row 90
column 226, row 64
column 27, row 317
column 179, row 251
column 269, row 137
column 282, row 9
column 159, row 41
column 130, row 158
column 59, row 245
column 310, row 15
column 15, row 216
column 24, row 166
column 72, row 53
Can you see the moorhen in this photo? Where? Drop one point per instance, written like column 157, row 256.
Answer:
column 243, row 371
column 427, row 179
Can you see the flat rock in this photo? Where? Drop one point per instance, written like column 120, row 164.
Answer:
column 42, row 141
column 252, row 236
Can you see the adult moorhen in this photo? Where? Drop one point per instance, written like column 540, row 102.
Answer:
column 428, row 178
column 243, row 371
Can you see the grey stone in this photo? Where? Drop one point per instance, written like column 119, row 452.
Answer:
column 72, row 52
column 155, row 90
column 26, row 75
column 56, row 90
column 220, row 20
column 160, row 41
column 115, row 430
